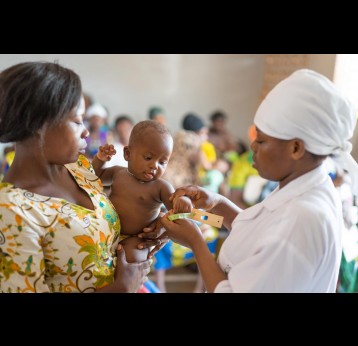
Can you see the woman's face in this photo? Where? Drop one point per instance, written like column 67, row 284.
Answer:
column 63, row 143
column 272, row 157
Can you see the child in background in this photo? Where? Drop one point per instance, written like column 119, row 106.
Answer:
column 243, row 172
column 215, row 177
column 219, row 136
column 123, row 126
column 207, row 157
column 138, row 192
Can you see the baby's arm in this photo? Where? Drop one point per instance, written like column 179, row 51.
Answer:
column 180, row 204
column 104, row 154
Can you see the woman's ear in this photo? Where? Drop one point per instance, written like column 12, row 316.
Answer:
column 298, row 149
column 126, row 153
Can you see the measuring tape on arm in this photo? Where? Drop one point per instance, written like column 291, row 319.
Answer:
column 201, row 216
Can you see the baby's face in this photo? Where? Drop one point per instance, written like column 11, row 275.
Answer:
column 149, row 157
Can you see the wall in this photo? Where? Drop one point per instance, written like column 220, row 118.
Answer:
column 180, row 83
column 130, row 83
column 278, row 67
column 322, row 63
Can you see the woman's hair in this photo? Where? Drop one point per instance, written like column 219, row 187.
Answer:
column 183, row 165
column 218, row 115
column 154, row 111
column 34, row 94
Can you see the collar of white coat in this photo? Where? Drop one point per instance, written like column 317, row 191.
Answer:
column 293, row 189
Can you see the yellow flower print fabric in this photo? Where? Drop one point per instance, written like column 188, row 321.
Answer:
column 50, row 245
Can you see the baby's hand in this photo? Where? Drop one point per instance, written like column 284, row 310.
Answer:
column 182, row 204
column 106, row 152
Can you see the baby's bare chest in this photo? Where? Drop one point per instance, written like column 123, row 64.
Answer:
column 143, row 195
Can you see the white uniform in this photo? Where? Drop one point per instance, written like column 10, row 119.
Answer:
column 290, row 242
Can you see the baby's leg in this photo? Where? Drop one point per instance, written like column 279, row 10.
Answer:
column 133, row 254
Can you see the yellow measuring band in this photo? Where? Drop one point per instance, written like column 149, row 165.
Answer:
column 180, row 216
column 201, row 216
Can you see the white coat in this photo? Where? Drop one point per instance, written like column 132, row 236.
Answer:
column 290, row 242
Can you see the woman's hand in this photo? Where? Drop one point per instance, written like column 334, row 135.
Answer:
column 182, row 231
column 128, row 277
column 153, row 235
column 200, row 197
column 211, row 201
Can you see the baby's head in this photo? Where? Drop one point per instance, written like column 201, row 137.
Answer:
column 149, row 150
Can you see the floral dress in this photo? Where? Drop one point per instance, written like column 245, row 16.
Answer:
column 50, row 245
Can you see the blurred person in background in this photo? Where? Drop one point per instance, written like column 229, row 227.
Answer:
column 218, row 135
column 96, row 116
column 123, row 126
column 157, row 114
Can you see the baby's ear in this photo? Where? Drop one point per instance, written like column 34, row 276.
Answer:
column 126, row 153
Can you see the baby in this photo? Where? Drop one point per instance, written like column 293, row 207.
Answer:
column 138, row 192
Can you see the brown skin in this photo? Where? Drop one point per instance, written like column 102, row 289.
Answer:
column 160, row 118
column 275, row 159
column 46, row 175
column 281, row 160
column 237, row 197
column 132, row 275
column 138, row 193
column 123, row 130
column 220, row 137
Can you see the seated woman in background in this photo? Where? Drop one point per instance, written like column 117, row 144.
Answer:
column 99, row 133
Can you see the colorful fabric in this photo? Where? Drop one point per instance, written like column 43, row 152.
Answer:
column 212, row 180
column 241, row 170
column 48, row 244
column 209, row 152
column 94, row 143
column 9, row 158
column 149, row 287
column 348, row 276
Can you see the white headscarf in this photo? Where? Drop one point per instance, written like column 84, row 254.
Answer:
column 96, row 109
column 308, row 106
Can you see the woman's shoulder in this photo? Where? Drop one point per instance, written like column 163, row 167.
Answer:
column 84, row 173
